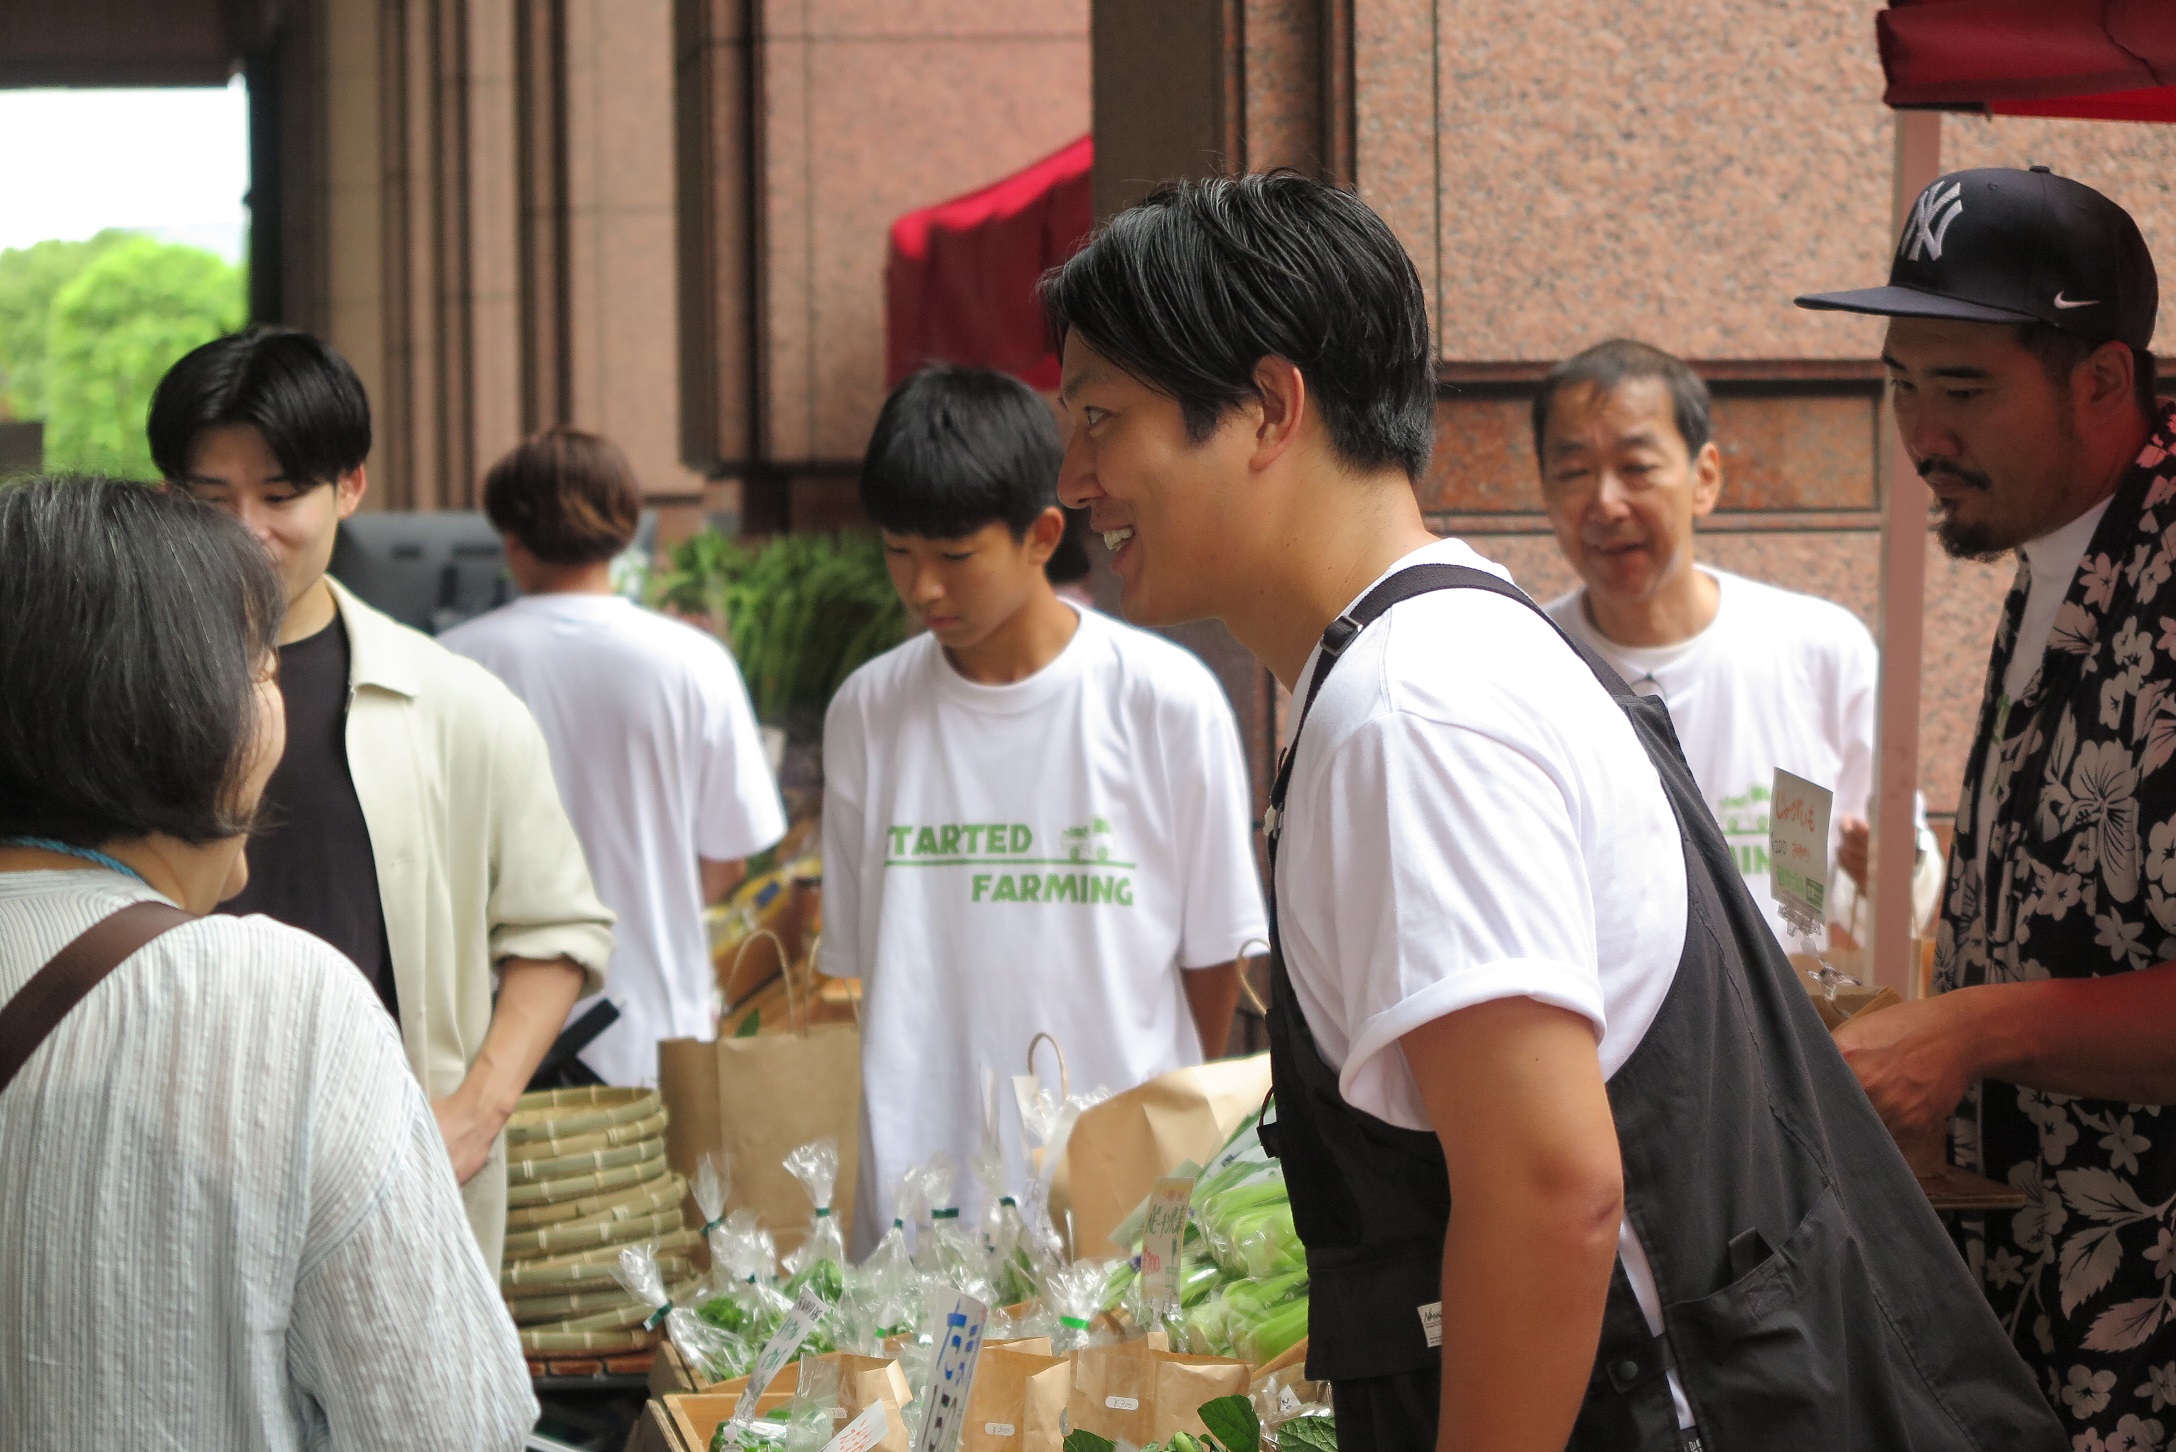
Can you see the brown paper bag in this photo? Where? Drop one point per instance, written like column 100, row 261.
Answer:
column 1123, row 1145
column 1018, row 1402
column 758, row 1099
column 1183, row 1383
column 867, row 1379
column 1113, row 1393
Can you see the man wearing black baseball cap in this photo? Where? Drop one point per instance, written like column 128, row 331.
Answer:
column 2021, row 306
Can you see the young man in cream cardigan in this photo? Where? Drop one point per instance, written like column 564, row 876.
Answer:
column 413, row 822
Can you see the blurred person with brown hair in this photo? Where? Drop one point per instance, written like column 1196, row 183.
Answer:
column 227, row 1217
column 651, row 734
column 411, row 822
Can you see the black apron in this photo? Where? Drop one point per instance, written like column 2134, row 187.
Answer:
column 1810, row 1297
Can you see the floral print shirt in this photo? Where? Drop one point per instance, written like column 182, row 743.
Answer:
column 2074, row 820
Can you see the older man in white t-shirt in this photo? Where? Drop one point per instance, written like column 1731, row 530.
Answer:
column 652, row 738
column 1756, row 678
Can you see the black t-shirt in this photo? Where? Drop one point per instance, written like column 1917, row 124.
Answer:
column 310, row 863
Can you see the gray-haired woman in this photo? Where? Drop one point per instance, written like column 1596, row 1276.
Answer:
column 226, row 1218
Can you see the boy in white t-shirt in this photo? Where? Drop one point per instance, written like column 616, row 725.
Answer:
column 1574, row 1160
column 1036, row 819
column 653, row 741
column 1756, row 677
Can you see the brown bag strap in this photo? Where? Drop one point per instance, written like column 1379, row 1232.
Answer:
column 37, row 1009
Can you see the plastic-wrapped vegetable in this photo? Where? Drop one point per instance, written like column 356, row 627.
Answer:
column 1047, row 1121
column 947, row 1251
column 1075, row 1294
column 743, row 1301
column 816, row 1166
column 710, row 1352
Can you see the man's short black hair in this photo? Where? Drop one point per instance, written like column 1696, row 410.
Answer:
column 2060, row 353
column 287, row 385
column 957, row 449
column 1606, row 367
column 134, row 622
column 1193, row 288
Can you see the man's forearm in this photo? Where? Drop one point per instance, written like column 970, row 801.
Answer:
column 1537, row 1190
column 1524, row 1282
column 535, row 997
column 1213, row 996
column 2099, row 1038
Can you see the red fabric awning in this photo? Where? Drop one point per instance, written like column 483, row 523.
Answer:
column 2110, row 60
column 960, row 276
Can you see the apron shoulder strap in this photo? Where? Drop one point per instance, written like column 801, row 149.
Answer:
column 37, row 1009
column 1403, row 586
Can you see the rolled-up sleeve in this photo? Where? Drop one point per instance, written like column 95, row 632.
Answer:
column 542, row 903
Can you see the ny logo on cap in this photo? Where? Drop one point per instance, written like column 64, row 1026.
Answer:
column 1937, row 207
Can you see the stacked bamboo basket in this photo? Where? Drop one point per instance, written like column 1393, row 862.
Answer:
column 586, row 1175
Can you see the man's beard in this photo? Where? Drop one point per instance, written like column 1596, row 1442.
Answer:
column 1986, row 542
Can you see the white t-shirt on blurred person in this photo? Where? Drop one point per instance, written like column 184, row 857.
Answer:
column 1004, row 860
column 1778, row 679
column 658, row 759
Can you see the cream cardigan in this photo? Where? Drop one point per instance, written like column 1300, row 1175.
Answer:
column 477, row 861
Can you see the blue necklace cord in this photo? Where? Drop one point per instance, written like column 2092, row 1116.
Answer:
column 48, row 844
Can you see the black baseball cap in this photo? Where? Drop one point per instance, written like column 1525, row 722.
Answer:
column 1995, row 245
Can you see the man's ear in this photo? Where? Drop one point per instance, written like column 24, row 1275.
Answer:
column 1707, row 479
column 2105, row 377
column 1043, row 536
column 351, row 486
column 1284, row 405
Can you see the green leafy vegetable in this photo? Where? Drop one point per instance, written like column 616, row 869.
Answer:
column 751, row 1025
column 1078, row 1440
column 1308, row 1434
column 1231, row 1420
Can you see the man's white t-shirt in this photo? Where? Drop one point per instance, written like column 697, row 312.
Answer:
column 1004, row 860
column 1778, row 679
column 658, row 759
column 1471, row 818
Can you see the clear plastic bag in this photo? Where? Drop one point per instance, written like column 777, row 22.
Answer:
column 816, row 1166
column 814, row 1416
column 742, row 1300
column 1075, row 1294
column 948, row 1251
column 711, row 1353
column 711, row 1187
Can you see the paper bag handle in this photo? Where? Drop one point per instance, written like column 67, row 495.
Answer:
column 1065, row 1080
column 785, row 965
column 1247, row 990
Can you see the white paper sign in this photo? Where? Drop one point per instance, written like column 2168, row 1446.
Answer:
column 1163, row 1240
column 864, row 1432
column 1431, row 1323
column 952, row 1376
column 1798, row 851
column 777, row 1351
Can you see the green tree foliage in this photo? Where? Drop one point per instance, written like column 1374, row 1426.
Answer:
column 115, row 328
column 29, row 279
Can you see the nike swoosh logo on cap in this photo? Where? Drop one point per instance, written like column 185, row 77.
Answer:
column 2064, row 302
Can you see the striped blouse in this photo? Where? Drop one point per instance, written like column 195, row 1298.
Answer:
column 226, row 1215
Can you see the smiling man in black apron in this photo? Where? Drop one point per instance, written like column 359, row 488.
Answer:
column 1574, row 1160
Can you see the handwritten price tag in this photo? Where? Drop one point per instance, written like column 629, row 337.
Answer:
column 1798, row 851
column 1163, row 1240
column 864, row 1432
